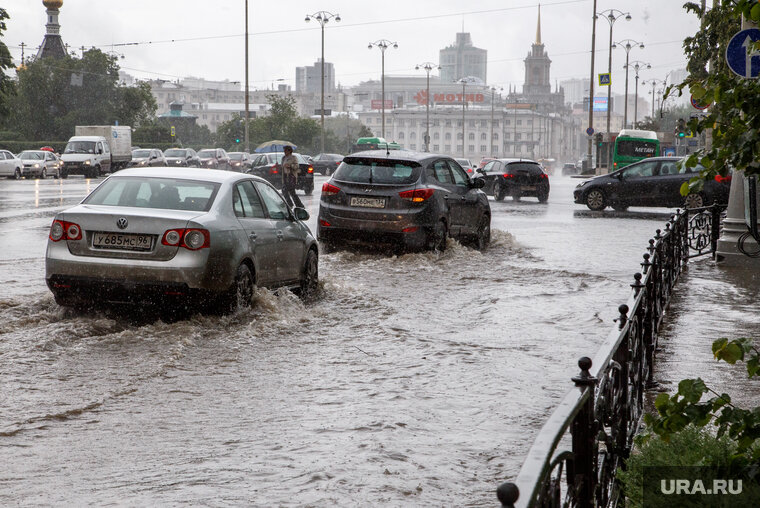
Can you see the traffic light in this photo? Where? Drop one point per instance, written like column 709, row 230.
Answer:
column 681, row 128
column 598, row 138
column 237, row 140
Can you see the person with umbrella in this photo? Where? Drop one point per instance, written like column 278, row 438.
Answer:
column 290, row 170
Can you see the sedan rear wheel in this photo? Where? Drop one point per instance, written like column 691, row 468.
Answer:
column 694, row 201
column 310, row 277
column 43, row 175
column 437, row 238
column 498, row 193
column 483, row 237
column 241, row 292
column 595, row 200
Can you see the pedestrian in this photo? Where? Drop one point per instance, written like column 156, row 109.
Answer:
column 290, row 170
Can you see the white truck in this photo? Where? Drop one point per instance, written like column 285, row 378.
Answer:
column 97, row 149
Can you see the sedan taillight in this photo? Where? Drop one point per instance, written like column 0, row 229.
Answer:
column 273, row 170
column 191, row 238
column 508, row 175
column 723, row 179
column 62, row 230
column 416, row 195
column 311, row 169
column 544, row 175
column 329, row 189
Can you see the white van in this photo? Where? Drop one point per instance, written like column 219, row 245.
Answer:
column 86, row 155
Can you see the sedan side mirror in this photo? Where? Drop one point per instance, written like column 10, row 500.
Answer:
column 301, row 213
column 478, row 182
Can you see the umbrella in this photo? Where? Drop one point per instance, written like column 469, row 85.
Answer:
column 276, row 145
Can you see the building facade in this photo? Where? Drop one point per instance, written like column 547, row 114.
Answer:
column 309, row 79
column 462, row 59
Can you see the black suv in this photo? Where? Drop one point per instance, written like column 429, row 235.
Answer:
column 655, row 181
column 516, row 178
column 406, row 199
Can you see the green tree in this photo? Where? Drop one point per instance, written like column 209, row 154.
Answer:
column 7, row 88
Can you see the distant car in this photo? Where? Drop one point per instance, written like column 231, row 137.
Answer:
column 185, row 157
column 240, row 161
column 406, row 199
column 179, row 236
column 326, row 163
column 484, row 161
column 466, row 165
column 516, row 178
column 147, row 157
column 267, row 166
column 214, row 158
column 10, row 165
column 40, row 163
column 569, row 168
column 655, row 181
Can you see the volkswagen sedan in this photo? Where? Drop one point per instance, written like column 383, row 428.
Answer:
column 406, row 199
column 200, row 238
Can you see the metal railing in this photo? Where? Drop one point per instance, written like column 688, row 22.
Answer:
column 602, row 412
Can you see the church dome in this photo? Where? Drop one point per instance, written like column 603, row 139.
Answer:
column 53, row 4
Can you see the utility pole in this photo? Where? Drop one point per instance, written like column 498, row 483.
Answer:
column 247, row 105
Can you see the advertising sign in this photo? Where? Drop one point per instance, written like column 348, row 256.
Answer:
column 378, row 104
column 600, row 103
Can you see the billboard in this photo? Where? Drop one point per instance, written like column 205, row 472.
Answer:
column 600, row 104
column 378, row 104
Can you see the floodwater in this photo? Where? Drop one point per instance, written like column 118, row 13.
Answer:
column 412, row 380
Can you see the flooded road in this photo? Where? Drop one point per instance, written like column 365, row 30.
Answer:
column 412, row 380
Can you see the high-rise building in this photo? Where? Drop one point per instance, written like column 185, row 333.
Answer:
column 309, row 79
column 463, row 60
column 52, row 44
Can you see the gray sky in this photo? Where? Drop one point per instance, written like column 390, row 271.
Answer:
column 209, row 43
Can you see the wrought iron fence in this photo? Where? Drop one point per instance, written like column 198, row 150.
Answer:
column 603, row 411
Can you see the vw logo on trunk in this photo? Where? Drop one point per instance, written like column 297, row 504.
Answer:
column 122, row 223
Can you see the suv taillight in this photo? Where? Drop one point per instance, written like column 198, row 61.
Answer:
column 191, row 238
column 311, row 169
column 62, row 230
column 273, row 170
column 417, row 195
column 330, row 189
column 508, row 175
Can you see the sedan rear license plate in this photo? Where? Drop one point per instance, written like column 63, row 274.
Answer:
column 122, row 241
column 368, row 202
column 528, row 187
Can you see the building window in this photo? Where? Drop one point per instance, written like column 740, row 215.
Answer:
column 447, row 148
column 471, row 148
column 483, row 136
column 400, row 122
column 412, row 123
column 459, row 136
column 448, row 123
column 507, row 136
column 483, row 148
column 435, row 148
column 495, row 123
column 436, row 135
column 518, row 136
column 506, row 122
column 459, row 148
column 484, row 123
column 530, row 122
column 459, row 123
column 436, row 123
column 496, row 136
column 400, row 135
column 447, row 136
column 519, row 122
column 471, row 136
column 412, row 135
column 472, row 123
column 412, row 147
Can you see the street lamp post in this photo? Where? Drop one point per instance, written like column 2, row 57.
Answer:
column 247, row 103
column 636, row 66
column 654, row 82
column 493, row 96
column 322, row 17
column 611, row 15
column 464, row 82
column 428, row 66
column 591, row 88
column 383, row 44
column 627, row 44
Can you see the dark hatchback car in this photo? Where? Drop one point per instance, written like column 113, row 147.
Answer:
column 405, row 199
column 182, row 157
column 267, row 166
column 326, row 163
column 655, row 181
column 516, row 178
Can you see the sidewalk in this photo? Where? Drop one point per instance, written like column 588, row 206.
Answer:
column 709, row 302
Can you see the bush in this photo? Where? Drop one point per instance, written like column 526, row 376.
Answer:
column 692, row 446
column 19, row 146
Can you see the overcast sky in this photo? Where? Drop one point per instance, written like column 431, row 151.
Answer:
column 202, row 38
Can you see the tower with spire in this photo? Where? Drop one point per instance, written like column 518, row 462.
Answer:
column 52, row 44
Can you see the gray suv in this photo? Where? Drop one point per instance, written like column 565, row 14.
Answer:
column 406, row 199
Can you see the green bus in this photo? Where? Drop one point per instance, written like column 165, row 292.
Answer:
column 374, row 144
column 632, row 146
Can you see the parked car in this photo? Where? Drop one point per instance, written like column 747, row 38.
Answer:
column 179, row 236
column 186, row 157
column 326, row 163
column 10, row 165
column 484, row 161
column 466, row 165
column 240, row 161
column 147, row 157
column 569, row 168
column 516, row 178
column 267, row 166
column 40, row 163
column 407, row 199
column 214, row 158
column 655, row 181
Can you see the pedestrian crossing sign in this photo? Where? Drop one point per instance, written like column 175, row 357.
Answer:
column 605, row 79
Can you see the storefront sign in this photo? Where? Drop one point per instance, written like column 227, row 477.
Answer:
column 448, row 98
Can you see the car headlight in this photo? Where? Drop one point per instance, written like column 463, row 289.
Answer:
column 36, row 166
column 86, row 163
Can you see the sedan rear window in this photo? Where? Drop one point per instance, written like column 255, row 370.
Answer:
column 389, row 171
column 162, row 193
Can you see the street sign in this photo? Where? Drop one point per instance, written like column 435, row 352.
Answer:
column 741, row 58
column 327, row 112
column 697, row 104
column 605, row 79
column 590, row 131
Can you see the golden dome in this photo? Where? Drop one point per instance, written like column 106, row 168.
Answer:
column 53, row 4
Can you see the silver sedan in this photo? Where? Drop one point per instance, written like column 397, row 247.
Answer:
column 191, row 236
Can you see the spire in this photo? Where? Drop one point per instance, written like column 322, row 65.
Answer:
column 538, row 26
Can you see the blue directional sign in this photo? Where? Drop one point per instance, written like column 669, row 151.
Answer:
column 741, row 58
column 605, row 79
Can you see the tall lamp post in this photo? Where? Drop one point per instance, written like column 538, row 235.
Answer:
column 322, row 17
column 611, row 15
column 383, row 44
column 247, row 103
column 589, row 156
column 654, row 82
column 464, row 82
column 627, row 45
column 493, row 96
column 428, row 66
column 636, row 66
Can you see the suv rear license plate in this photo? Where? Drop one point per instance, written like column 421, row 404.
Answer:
column 122, row 241
column 528, row 187
column 368, row 202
